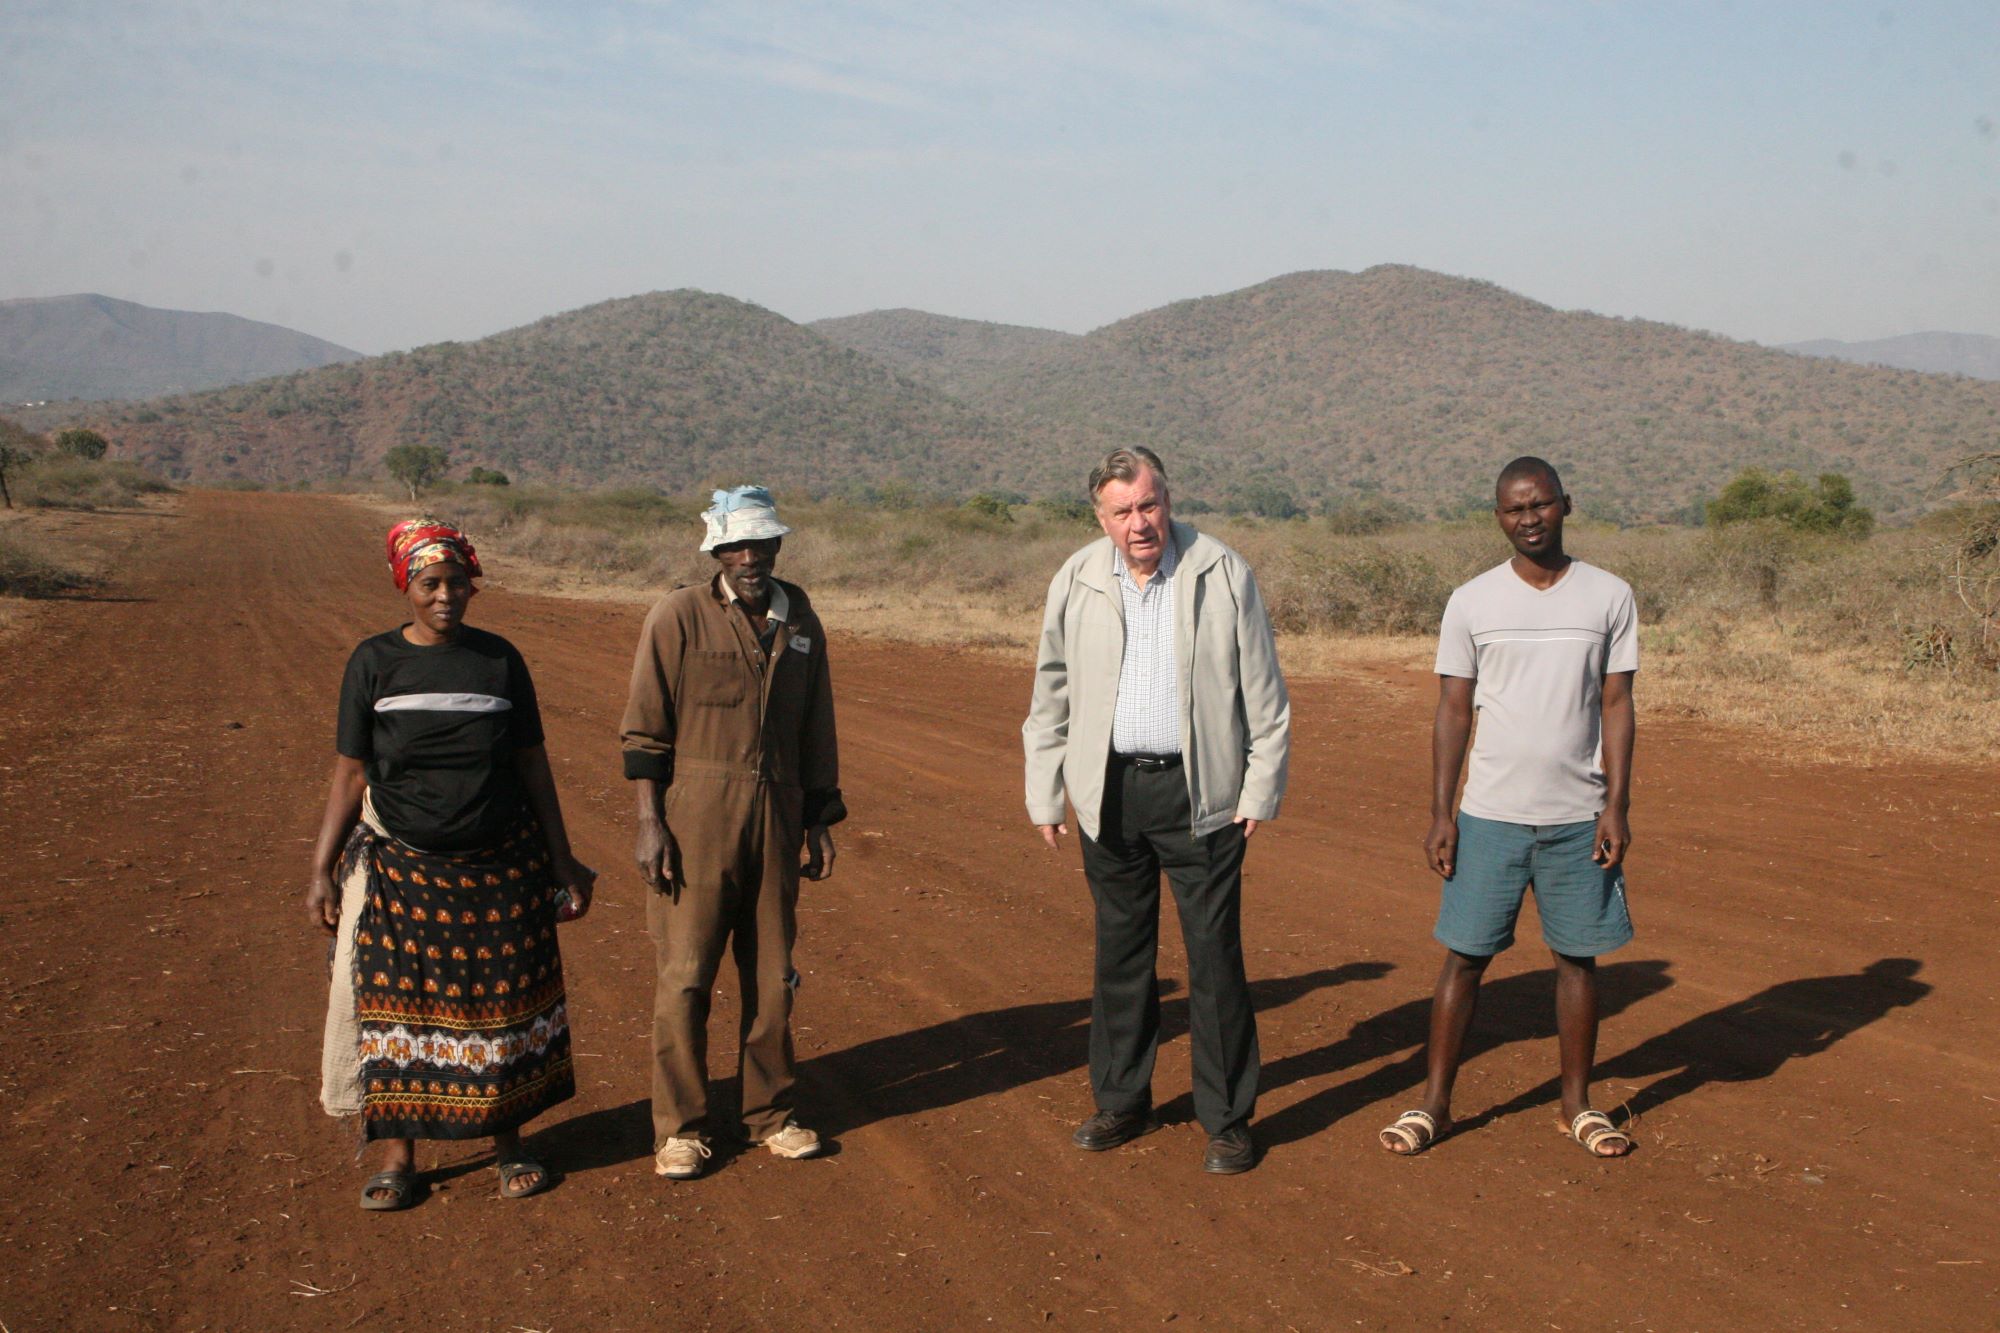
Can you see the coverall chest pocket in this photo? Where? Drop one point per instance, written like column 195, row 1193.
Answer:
column 713, row 680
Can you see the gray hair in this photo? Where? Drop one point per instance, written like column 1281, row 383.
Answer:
column 1124, row 465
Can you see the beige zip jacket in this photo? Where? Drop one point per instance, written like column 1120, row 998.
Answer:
column 1236, row 717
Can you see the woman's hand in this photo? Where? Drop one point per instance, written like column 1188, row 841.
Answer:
column 323, row 902
column 574, row 881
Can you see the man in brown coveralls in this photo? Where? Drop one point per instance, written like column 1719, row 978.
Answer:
column 728, row 738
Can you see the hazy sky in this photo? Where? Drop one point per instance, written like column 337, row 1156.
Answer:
column 388, row 174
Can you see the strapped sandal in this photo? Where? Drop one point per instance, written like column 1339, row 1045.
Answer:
column 513, row 1171
column 1594, row 1127
column 402, row 1187
column 1415, row 1130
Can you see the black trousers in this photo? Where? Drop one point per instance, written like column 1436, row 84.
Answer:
column 1143, row 829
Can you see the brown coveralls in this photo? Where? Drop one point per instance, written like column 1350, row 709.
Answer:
column 744, row 745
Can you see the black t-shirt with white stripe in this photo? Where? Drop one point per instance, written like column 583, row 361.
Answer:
column 437, row 727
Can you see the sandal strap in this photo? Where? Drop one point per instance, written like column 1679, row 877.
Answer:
column 402, row 1188
column 1415, row 1130
column 1430, row 1121
column 1591, row 1128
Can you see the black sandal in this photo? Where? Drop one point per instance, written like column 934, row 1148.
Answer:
column 513, row 1171
column 402, row 1187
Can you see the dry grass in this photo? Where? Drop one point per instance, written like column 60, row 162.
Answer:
column 26, row 571
column 57, row 481
column 1828, row 644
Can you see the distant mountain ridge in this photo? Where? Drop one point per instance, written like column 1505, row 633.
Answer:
column 1976, row 355
column 671, row 389
column 940, row 350
column 1414, row 385
column 1324, row 388
column 94, row 347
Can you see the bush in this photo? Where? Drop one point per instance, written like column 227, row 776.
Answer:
column 1363, row 518
column 82, row 442
column 481, row 476
column 1828, row 507
column 62, row 481
column 991, row 507
column 24, row 573
column 1074, row 512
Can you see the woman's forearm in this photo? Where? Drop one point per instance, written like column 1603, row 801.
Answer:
column 540, row 784
column 345, row 788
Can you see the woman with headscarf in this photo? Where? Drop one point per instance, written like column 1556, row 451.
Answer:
column 441, row 869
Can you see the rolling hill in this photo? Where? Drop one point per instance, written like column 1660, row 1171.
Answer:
column 672, row 389
column 1322, row 388
column 1972, row 354
column 947, row 353
column 95, row 347
column 1404, row 383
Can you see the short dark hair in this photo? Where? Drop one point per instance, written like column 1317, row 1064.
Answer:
column 1124, row 465
column 1527, row 465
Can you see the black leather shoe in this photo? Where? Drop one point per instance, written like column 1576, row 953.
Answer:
column 1230, row 1153
column 1108, row 1129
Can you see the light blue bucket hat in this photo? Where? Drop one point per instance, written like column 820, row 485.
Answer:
column 745, row 514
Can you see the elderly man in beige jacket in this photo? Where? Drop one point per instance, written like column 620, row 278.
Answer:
column 1159, row 707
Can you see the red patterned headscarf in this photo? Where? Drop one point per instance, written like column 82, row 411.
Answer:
column 418, row 542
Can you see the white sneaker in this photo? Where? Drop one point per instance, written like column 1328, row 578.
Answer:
column 794, row 1140
column 680, row 1159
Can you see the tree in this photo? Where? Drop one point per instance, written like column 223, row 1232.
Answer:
column 82, row 442
column 1787, row 499
column 18, row 447
column 482, row 476
column 416, row 465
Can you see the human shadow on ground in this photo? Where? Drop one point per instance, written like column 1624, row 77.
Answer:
column 1521, row 1007
column 596, row 1139
column 1752, row 1039
column 985, row 1054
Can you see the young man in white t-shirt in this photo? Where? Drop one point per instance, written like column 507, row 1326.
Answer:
column 1543, row 649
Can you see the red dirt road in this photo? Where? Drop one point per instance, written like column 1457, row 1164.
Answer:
column 1805, row 1022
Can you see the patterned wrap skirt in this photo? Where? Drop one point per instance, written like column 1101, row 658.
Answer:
column 458, row 987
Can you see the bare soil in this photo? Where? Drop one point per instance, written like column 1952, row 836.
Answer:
column 1804, row 1025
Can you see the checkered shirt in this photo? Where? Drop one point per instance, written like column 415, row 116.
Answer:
column 1148, row 716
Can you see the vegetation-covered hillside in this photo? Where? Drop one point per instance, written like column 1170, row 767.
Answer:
column 1408, row 384
column 1395, row 389
column 947, row 353
column 670, row 389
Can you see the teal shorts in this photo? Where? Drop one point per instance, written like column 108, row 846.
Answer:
column 1581, row 904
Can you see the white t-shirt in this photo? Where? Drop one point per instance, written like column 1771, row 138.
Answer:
column 1540, row 658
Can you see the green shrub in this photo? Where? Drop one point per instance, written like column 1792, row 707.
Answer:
column 1785, row 498
column 82, row 442
column 988, row 506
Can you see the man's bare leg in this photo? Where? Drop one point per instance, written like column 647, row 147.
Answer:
column 1453, row 1005
column 1576, row 1033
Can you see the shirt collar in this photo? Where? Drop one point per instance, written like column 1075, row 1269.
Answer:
column 778, row 610
column 1170, row 559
